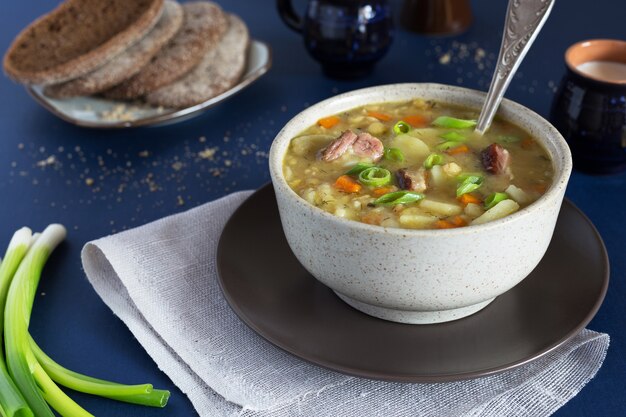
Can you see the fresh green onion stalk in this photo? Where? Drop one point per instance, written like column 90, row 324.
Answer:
column 398, row 197
column 453, row 123
column 375, row 177
column 20, row 359
column 33, row 382
column 18, row 246
column 53, row 395
column 12, row 403
column 29, row 385
column 143, row 394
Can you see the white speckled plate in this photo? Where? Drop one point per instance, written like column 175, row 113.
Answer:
column 101, row 113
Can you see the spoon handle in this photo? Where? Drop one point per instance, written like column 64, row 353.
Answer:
column 524, row 19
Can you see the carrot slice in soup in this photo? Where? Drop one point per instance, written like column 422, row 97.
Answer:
column 458, row 149
column 539, row 188
column 382, row 191
column 416, row 120
column 527, row 143
column 458, row 221
column 466, row 199
column 329, row 122
column 346, row 184
column 380, row 116
column 444, row 224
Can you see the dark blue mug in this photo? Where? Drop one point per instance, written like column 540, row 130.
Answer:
column 346, row 36
column 590, row 106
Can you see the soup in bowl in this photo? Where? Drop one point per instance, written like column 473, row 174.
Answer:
column 388, row 197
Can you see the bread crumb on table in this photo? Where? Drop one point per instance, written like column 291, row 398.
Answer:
column 145, row 179
column 207, row 153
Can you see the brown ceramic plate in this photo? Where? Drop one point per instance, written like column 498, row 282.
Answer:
column 274, row 295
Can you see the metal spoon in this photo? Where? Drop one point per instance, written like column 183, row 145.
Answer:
column 524, row 20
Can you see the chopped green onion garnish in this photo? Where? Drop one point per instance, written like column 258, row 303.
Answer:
column 375, row 177
column 466, row 188
column 394, row 154
column 447, row 145
column 432, row 160
column 453, row 136
column 401, row 128
column 462, row 177
column 508, row 139
column 398, row 197
column 358, row 168
column 494, row 199
column 469, row 184
column 453, row 123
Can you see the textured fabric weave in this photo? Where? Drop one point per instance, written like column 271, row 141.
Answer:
column 160, row 279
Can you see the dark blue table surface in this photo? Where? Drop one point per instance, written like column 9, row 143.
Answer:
column 136, row 176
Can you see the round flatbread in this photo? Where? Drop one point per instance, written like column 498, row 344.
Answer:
column 219, row 70
column 204, row 23
column 78, row 37
column 126, row 64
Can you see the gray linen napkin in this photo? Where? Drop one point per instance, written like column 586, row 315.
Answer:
column 160, row 279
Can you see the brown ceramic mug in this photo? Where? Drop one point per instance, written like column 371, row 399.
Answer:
column 436, row 17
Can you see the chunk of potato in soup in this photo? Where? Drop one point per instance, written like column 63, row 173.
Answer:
column 416, row 165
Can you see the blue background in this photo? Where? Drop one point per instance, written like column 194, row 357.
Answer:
column 141, row 175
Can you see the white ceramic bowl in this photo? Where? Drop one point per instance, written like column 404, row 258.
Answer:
column 419, row 276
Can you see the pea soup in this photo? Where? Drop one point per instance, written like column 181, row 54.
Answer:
column 416, row 165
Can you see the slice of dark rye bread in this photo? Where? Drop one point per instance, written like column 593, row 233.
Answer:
column 204, row 23
column 126, row 64
column 218, row 71
column 77, row 37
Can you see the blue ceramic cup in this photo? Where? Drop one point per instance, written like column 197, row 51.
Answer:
column 590, row 106
column 346, row 36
